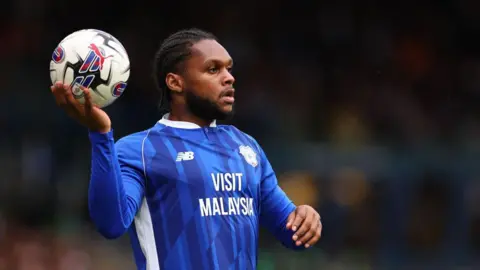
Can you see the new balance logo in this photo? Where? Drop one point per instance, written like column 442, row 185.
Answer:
column 182, row 156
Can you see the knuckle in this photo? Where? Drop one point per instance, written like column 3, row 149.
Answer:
column 311, row 240
column 300, row 232
column 305, row 239
column 302, row 237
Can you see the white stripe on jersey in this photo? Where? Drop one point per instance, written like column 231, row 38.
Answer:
column 146, row 237
column 144, row 225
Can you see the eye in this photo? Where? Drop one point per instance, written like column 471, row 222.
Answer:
column 213, row 70
column 230, row 69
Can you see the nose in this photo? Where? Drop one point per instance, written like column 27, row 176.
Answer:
column 228, row 79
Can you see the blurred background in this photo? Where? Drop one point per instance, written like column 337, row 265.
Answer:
column 368, row 110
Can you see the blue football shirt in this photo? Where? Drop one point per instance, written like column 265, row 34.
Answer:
column 190, row 197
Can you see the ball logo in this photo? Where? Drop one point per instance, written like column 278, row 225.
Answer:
column 94, row 60
column 118, row 89
column 58, row 55
column 92, row 63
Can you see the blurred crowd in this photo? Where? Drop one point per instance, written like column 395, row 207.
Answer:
column 367, row 109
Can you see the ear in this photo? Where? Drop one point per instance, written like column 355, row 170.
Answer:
column 174, row 82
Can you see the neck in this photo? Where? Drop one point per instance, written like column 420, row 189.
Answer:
column 182, row 114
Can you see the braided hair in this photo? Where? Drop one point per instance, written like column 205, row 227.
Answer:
column 174, row 50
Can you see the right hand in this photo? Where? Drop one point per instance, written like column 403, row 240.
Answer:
column 88, row 115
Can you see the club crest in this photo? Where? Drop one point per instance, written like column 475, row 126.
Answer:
column 249, row 155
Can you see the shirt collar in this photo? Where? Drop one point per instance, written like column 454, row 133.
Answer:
column 181, row 124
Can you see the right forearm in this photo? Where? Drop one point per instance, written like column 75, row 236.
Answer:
column 107, row 199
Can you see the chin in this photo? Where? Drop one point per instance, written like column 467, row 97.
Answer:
column 227, row 109
column 226, row 113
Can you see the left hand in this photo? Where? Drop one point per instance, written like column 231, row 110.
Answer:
column 306, row 224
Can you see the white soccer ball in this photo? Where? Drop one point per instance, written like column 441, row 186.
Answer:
column 93, row 59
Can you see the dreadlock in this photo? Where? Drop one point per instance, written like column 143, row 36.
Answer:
column 174, row 50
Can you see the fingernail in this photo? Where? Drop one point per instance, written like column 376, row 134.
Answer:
column 299, row 243
column 307, row 246
column 288, row 224
column 295, row 237
column 294, row 228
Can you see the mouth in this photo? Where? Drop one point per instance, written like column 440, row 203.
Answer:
column 228, row 96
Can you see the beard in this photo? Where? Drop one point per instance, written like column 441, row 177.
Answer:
column 206, row 109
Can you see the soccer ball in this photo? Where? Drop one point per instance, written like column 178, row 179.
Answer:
column 93, row 59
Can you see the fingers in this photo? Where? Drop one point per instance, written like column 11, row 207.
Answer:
column 65, row 99
column 304, row 231
column 316, row 235
column 290, row 219
column 86, row 113
column 69, row 96
column 88, row 100
column 300, row 215
column 308, row 226
column 58, row 93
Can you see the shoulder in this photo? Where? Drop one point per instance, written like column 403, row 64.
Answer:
column 132, row 149
column 245, row 138
column 133, row 141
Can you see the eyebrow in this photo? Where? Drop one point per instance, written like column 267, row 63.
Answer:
column 217, row 61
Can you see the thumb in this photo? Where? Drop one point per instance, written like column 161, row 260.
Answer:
column 290, row 219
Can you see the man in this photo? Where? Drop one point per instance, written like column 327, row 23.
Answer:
column 190, row 193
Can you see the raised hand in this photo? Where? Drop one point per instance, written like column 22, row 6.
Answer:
column 87, row 114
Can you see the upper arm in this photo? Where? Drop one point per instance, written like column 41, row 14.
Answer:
column 117, row 183
column 132, row 168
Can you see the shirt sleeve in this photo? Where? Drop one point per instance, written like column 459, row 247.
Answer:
column 117, row 183
column 275, row 205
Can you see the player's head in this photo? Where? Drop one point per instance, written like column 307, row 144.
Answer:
column 193, row 70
